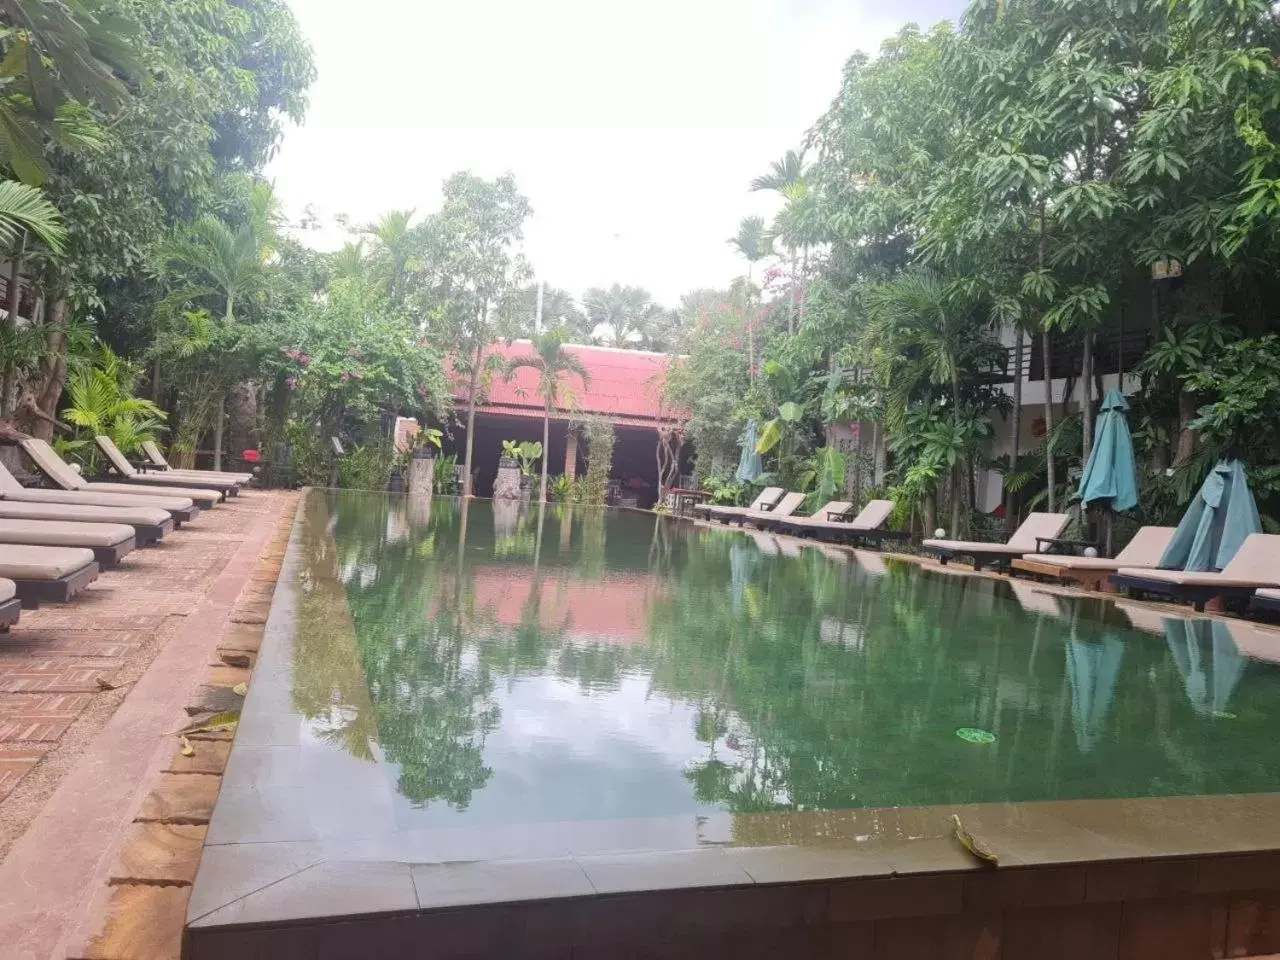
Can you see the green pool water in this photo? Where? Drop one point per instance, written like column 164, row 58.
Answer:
column 523, row 666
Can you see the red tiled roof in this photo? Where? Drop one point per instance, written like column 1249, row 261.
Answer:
column 626, row 385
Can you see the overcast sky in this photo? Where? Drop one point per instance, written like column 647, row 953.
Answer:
column 634, row 128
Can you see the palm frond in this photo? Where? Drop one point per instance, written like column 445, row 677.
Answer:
column 24, row 207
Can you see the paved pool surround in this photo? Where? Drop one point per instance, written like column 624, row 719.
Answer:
column 303, row 859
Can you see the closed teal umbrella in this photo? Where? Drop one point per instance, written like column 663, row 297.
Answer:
column 1221, row 515
column 749, row 466
column 1111, row 475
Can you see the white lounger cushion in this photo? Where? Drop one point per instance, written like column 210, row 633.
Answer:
column 785, row 508
column 1256, row 564
column 8, row 590
column 1023, row 540
column 19, row 562
column 156, row 456
column 1144, row 550
column 60, row 473
column 64, row 533
column 82, row 513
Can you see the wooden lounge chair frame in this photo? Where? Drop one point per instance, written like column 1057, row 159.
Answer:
column 1235, row 595
column 1265, row 602
column 32, row 593
column 10, row 611
column 1198, row 595
column 843, row 511
column 128, row 473
column 724, row 513
column 999, row 555
column 1079, row 572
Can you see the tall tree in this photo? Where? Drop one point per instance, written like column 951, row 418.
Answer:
column 472, row 263
column 752, row 244
column 552, row 362
column 628, row 313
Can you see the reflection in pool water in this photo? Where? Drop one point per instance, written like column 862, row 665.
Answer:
column 522, row 666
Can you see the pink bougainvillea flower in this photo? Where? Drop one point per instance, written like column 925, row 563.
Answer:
column 293, row 353
column 291, row 383
column 345, row 376
column 303, row 359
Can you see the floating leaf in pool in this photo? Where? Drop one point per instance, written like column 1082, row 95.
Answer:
column 974, row 735
column 1224, row 714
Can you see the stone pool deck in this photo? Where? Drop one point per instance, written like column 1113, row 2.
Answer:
column 90, row 694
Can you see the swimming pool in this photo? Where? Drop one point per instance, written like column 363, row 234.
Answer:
column 445, row 683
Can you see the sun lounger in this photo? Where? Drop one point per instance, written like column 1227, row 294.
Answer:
column 769, row 497
column 130, row 474
column 785, row 508
column 1144, row 550
column 1268, row 598
column 10, row 605
column 57, row 470
column 1023, row 541
column 110, row 542
column 149, row 523
column 867, row 527
column 793, row 524
column 1255, row 565
column 156, row 458
column 175, row 509
column 47, row 574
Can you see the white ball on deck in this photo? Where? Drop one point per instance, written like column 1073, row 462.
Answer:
column 940, row 533
column 1090, row 551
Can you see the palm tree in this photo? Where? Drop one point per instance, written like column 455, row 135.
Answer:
column 393, row 240
column 626, row 311
column 787, row 177
column 227, row 262
column 921, row 329
column 552, row 361
column 782, row 173
column 753, row 244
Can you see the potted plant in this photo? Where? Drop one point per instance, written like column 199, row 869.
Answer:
column 426, row 445
column 528, row 453
column 510, row 454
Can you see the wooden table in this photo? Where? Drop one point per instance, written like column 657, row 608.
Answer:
column 685, row 499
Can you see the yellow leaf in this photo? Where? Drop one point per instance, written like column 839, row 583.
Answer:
column 187, row 749
column 972, row 844
column 240, row 689
column 226, row 720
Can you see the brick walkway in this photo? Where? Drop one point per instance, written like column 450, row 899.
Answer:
column 66, row 671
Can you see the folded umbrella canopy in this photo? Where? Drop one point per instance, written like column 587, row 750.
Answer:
column 749, row 466
column 1111, row 475
column 1216, row 523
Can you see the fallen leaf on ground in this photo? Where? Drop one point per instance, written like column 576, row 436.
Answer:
column 240, row 689
column 973, row 845
column 227, row 720
column 187, row 749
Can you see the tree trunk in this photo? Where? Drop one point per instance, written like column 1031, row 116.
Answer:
column 473, row 386
column 956, row 497
column 1186, row 436
column 155, row 382
column 546, row 451
column 8, row 387
column 219, row 415
column 751, row 331
column 1086, row 396
column 243, row 431
column 1048, row 421
column 792, row 307
column 1015, row 439
column 930, row 514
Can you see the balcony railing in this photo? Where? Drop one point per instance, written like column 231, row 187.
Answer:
column 1112, row 353
column 26, row 297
